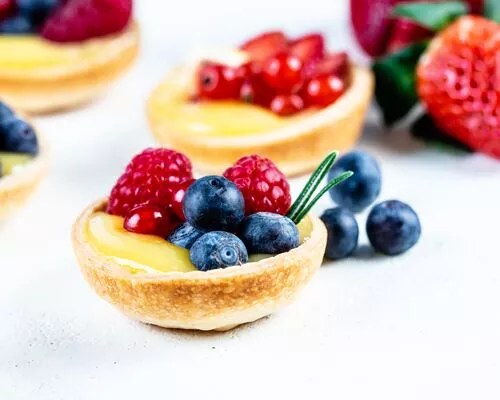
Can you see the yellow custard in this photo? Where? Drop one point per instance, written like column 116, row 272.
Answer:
column 148, row 253
column 10, row 161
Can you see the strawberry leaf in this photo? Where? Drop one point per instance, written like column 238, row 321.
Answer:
column 395, row 83
column 425, row 129
column 492, row 10
column 434, row 16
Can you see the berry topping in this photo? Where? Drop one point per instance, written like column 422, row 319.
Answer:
column 218, row 81
column 269, row 233
column 333, row 64
column 17, row 136
column 79, row 20
column 214, row 203
column 323, row 90
column 265, row 46
column 393, row 227
column 286, row 104
column 37, row 10
column 16, row 25
column 150, row 220
column 178, row 196
column 458, row 79
column 150, row 178
column 308, row 48
column 283, row 72
column 184, row 236
column 363, row 187
column 218, row 250
column 6, row 8
column 263, row 185
column 343, row 233
column 255, row 91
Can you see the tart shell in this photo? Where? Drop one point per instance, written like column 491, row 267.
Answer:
column 296, row 149
column 215, row 300
column 16, row 188
column 41, row 91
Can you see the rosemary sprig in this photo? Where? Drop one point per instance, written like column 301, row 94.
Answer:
column 334, row 182
column 311, row 185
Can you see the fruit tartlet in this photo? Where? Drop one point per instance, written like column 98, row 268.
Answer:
column 57, row 54
column 289, row 100
column 206, row 254
column 23, row 160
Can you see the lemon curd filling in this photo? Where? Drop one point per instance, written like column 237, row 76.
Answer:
column 9, row 162
column 147, row 253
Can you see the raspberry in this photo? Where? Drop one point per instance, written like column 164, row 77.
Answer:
column 150, row 178
column 78, row 20
column 458, row 79
column 263, row 185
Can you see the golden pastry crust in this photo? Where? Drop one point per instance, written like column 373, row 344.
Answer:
column 51, row 89
column 296, row 148
column 16, row 188
column 215, row 300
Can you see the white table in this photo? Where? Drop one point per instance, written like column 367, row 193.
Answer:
column 425, row 325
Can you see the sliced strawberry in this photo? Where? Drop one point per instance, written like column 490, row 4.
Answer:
column 333, row 64
column 308, row 47
column 404, row 32
column 264, row 46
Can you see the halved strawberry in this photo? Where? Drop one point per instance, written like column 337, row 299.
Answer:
column 308, row 47
column 333, row 64
column 404, row 32
column 266, row 45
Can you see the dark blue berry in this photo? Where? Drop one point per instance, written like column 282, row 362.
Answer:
column 5, row 111
column 16, row 25
column 17, row 136
column 361, row 190
column 343, row 233
column 184, row 236
column 218, row 249
column 214, row 203
column 269, row 233
column 393, row 227
column 36, row 11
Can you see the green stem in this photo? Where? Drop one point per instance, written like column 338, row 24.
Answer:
column 311, row 185
column 334, row 182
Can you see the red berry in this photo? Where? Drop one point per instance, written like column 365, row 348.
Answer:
column 334, row 64
column 310, row 49
column 403, row 33
column 218, row 81
column 323, row 90
column 286, row 104
column 283, row 72
column 264, row 46
column 78, row 20
column 178, row 196
column 6, row 8
column 149, row 219
column 263, row 185
column 255, row 91
column 150, row 178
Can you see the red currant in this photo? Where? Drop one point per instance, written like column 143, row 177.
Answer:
column 255, row 91
column 149, row 219
column 178, row 196
column 286, row 104
column 284, row 72
column 218, row 81
column 323, row 90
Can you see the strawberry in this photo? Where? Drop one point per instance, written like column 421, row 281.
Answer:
column 458, row 79
column 403, row 33
column 266, row 45
column 334, row 64
column 308, row 47
column 78, row 20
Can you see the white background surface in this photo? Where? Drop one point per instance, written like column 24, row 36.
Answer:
column 425, row 325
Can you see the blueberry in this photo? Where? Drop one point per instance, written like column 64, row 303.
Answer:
column 269, row 233
column 361, row 190
column 218, row 249
column 36, row 10
column 184, row 236
column 5, row 111
column 16, row 25
column 393, row 227
column 214, row 203
column 17, row 136
column 343, row 233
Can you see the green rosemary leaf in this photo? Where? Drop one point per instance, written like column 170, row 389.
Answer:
column 311, row 185
column 334, row 182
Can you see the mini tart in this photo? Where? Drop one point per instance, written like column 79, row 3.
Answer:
column 98, row 62
column 296, row 148
column 214, row 300
column 16, row 188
